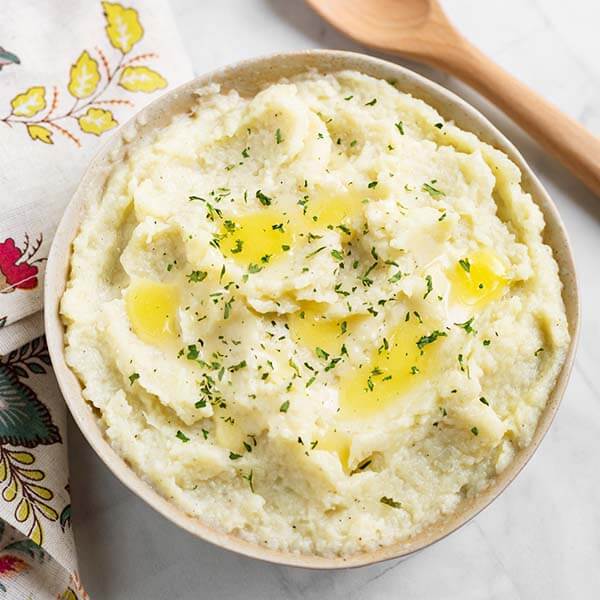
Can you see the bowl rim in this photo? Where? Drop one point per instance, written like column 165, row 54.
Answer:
column 271, row 68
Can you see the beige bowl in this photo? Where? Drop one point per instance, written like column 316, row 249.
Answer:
column 248, row 77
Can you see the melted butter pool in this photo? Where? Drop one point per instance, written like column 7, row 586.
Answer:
column 403, row 360
column 252, row 237
column 478, row 279
column 312, row 329
column 152, row 308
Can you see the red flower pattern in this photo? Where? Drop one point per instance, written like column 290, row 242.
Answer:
column 11, row 564
column 17, row 269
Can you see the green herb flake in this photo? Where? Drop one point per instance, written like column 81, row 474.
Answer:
column 390, row 502
column 278, row 136
column 432, row 191
column 396, row 277
column 467, row 325
column 197, row 276
column 429, row 339
column 193, row 352
column 264, row 200
column 284, row 407
column 474, row 431
column 429, row 286
column 227, row 308
column 133, row 377
column 348, row 98
column 321, row 353
column 181, row 436
column 487, row 342
column 200, row 403
column 234, row 456
column 254, row 268
column 371, row 102
column 465, row 264
column 400, row 127
column 372, row 184
column 311, row 254
column 205, row 433
column 337, row 255
column 538, row 351
column 250, row 479
column 484, row 401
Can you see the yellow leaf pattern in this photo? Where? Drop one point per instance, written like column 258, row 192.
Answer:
column 37, row 132
column 97, row 121
column 84, row 76
column 35, row 533
column 29, row 103
column 141, row 79
column 23, row 510
column 92, row 77
column 123, row 27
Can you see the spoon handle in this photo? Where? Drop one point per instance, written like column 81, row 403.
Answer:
column 561, row 135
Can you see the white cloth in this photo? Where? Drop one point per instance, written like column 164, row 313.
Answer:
column 70, row 73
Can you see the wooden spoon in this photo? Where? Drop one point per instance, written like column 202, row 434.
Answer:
column 419, row 29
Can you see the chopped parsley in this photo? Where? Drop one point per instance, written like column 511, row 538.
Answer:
column 337, row 255
column 484, row 401
column 395, row 278
column 239, row 244
column 429, row 286
column 309, row 255
column 372, row 184
column 264, row 200
column 433, row 192
column 133, row 377
column 180, row 435
column 227, row 308
column 321, row 353
column 278, row 136
column 238, row 366
column 538, row 351
column 467, row 325
column 284, row 407
column 474, row 431
column 390, row 502
column 234, row 456
column 465, row 264
column 249, row 479
column 400, row 127
column 371, row 102
column 197, row 276
column 429, row 339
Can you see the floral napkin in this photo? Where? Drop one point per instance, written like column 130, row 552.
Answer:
column 70, row 73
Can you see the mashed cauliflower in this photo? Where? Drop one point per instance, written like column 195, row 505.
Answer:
column 317, row 318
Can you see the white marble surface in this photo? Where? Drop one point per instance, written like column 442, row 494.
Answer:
column 541, row 538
